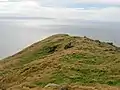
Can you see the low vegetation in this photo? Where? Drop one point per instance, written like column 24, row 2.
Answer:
column 64, row 60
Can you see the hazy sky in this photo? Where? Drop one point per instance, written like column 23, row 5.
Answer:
column 23, row 22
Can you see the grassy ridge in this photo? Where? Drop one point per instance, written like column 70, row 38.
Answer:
column 62, row 59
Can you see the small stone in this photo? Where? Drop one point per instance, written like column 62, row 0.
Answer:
column 64, row 88
column 52, row 86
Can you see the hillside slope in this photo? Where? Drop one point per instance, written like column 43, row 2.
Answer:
column 63, row 59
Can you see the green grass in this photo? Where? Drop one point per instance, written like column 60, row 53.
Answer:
column 83, row 58
column 47, row 48
column 39, row 54
column 39, row 83
column 59, row 78
column 2, row 73
column 114, row 82
column 88, row 71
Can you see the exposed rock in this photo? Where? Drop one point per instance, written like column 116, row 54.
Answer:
column 52, row 86
column 69, row 45
column 110, row 43
column 64, row 87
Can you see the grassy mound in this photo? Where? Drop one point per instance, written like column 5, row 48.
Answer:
column 62, row 59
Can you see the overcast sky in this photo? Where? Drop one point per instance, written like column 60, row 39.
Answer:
column 23, row 22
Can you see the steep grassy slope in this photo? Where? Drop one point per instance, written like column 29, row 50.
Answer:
column 62, row 59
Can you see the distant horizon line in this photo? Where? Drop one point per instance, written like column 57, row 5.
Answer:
column 25, row 17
